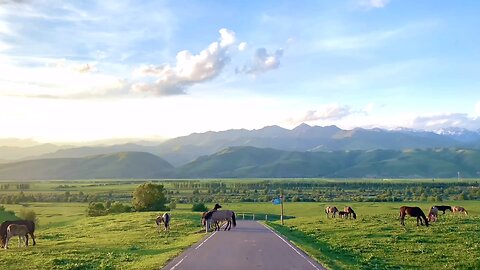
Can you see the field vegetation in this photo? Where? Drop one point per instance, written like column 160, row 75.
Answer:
column 68, row 239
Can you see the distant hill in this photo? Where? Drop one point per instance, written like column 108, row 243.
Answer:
column 246, row 162
column 182, row 150
column 15, row 152
column 119, row 165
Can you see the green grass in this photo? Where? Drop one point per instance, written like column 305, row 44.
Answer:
column 376, row 240
column 68, row 240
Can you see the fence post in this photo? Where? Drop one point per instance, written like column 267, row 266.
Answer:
column 243, row 216
column 253, row 216
column 266, row 217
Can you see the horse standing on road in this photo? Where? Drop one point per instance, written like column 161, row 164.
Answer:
column 331, row 210
column 165, row 218
column 413, row 212
column 219, row 216
column 3, row 230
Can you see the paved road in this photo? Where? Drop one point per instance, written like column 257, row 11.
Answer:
column 250, row 245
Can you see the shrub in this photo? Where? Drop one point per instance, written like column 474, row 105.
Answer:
column 26, row 214
column 199, row 207
column 96, row 209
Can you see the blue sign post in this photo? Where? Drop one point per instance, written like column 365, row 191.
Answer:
column 279, row 201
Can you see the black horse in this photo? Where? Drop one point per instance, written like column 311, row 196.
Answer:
column 413, row 212
column 443, row 208
column 30, row 226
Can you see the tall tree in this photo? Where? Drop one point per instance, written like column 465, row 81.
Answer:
column 149, row 197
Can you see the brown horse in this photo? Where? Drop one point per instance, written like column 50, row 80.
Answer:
column 331, row 210
column 16, row 230
column 350, row 212
column 343, row 214
column 459, row 209
column 3, row 230
column 413, row 212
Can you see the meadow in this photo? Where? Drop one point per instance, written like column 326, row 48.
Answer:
column 68, row 239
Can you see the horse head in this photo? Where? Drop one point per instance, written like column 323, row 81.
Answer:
column 217, row 206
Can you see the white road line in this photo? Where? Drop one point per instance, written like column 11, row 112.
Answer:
column 195, row 248
column 286, row 242
column 206, row 240
column 178, row 263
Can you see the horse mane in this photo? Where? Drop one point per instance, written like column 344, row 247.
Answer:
column 208, row 215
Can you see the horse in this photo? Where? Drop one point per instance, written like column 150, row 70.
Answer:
column 218, row 216
column 331, row 209
column 3, row 230
column 165, row 218
column 350, row 212
column 413, row 212
column 443, row 208
column 17, row 230
column 459, row 209
column 343, row 214
column 433, row 214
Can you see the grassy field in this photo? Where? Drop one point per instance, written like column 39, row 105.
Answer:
column 376, row 240
column 67, row 239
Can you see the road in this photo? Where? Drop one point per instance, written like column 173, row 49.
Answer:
column 250, row 245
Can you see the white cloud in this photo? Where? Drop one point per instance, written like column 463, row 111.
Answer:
column 327, row 112
column 55, row 78
column 263, row 61
column 188, row 70
column 242, row 46
column 435, row 122
column 477, row 108
column 373, row 3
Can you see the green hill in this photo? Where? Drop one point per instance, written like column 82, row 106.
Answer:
column 119, row 165
column 244, row 162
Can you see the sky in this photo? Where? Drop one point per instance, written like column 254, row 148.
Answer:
column 74, row 71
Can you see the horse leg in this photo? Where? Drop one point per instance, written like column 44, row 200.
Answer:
column 6, row 242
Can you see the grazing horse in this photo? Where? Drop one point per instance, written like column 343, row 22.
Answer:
column 17, row 230
column 331, row 209
column 459, row 209
column 443, row 208
column 3, row 230
column 343, row 214
column 218, row 216
column 413, row 212
column 433, row 214
column 165, row 218
column 350, row 212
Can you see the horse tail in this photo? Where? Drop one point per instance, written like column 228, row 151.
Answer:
column 234, row 222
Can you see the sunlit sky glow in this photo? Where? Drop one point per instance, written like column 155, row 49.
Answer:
column 90, row 70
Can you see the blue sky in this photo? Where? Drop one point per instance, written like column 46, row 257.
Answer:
column 89, row 70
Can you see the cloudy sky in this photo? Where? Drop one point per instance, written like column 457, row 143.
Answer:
column 90, row 70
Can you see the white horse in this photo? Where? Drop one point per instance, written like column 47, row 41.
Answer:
column 218, row 216
column 165, row 218
column 17, row 230
column 433, row 214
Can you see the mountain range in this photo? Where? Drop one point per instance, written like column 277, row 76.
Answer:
column 252, row 162
column 271, row 151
